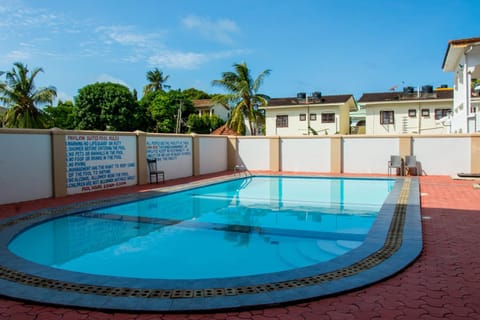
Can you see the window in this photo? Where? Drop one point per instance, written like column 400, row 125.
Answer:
column 313, row 117
column 386, row 117
column 412, row 113
column 328, row 117
column 425, row 112
column 303, row 117
column 282, row 121
column 441, row 113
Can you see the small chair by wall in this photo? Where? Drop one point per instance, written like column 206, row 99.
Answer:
column 153, row 171
column 411, row 165
column 395, row 163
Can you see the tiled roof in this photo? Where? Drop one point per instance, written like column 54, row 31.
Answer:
column 275, row 102
column 202, row 103
column 224, row 131
column 400, row 96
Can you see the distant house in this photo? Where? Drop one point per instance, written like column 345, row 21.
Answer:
column 415, row 111
column 303, row 115
column 207, row 106
column 224, row 131
column 463, row 59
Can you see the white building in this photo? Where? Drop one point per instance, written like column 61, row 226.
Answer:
column 316, row 115
column 413, row 111
column 463, row 59
column 207, row 106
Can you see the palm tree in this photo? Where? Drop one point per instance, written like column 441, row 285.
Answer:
column 156, row 81
column 18, row 92
column 243, row 94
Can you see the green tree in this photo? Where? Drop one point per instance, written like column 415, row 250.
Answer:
column 143, row 115
column 164, row 111
column 194, row 94
column 203, row 123
column 2, row 115
column 156, row 81
column 105, row 106
column 243, row 95
column 61, row 116
column 18, row 92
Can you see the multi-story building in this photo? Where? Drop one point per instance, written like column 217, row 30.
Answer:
column 415, row 110
column 304, row 115
column 463, row 59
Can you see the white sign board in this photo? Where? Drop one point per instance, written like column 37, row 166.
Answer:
column 173, row 154
column 96, row 162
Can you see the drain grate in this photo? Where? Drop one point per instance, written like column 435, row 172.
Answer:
column 391, row 245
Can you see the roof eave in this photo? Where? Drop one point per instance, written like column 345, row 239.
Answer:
column 310, row 105
column 366, row 104
column 454, row 51
column 452, row 56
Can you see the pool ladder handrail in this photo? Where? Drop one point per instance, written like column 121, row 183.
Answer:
column 239, row 168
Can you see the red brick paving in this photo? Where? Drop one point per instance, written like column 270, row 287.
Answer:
column 444, row 283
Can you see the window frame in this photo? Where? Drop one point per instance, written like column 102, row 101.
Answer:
column 313, row 117
column 302, row 117
column 425, row 113
column 329, row 115
column 444, row 112
column 383, row 118
column 281, row 121
column 412, row 113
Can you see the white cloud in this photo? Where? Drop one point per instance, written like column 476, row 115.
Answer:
column 17, row 15
column 178, row 60
column 229, row 53
column 189, row 60
column 18, row 55
column 221, row 30
column 125, row 35
column 108, row 78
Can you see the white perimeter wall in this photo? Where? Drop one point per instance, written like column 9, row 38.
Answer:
column 443, row 156
column 212, row 154
column 173, row 154
column 26, row 171
column 368, row 155
column 25, row 167
column 308, row 155
column 254, row 153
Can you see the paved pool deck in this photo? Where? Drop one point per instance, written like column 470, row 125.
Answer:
column 443, row 283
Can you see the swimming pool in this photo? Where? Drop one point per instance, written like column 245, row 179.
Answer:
column 256, row 240
column 249, row 226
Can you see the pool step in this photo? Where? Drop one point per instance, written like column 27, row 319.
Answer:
column 297, row 254
column 337, row 247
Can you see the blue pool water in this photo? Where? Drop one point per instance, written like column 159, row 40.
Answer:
column 249, row 226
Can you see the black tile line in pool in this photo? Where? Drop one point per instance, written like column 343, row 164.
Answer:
column 392, row 243
column 195, row 224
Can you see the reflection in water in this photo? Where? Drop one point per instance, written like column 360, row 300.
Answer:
column 281, row 223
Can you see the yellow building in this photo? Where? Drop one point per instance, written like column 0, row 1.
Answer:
column 303, row 115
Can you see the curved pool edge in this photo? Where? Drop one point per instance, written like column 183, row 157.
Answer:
column 400, row 214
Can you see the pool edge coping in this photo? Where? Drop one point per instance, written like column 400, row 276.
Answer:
column 406, row 254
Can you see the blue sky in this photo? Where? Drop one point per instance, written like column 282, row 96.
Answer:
column 335, row 47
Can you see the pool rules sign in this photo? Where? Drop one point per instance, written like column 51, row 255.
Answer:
column 97, row 162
